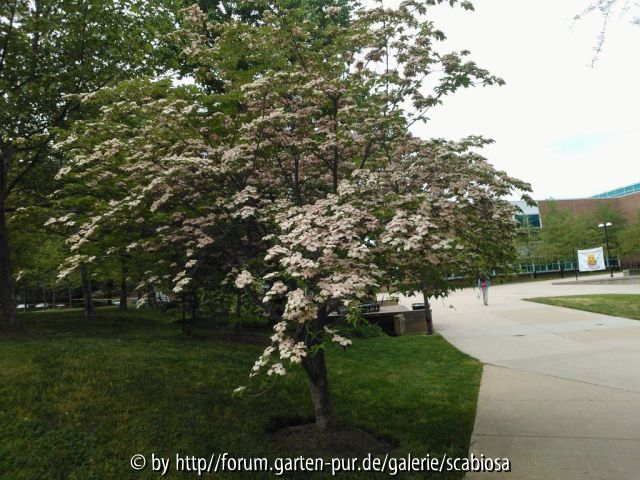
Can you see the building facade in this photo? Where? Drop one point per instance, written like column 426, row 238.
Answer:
column 625, row 200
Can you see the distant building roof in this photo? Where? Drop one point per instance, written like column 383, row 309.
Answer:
column 620, row 192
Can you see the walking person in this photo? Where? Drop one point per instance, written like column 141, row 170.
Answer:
column 483, row 285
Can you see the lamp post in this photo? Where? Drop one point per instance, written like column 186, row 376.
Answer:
column 606, row 239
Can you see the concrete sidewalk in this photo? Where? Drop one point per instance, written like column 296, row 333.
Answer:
column 560, row 392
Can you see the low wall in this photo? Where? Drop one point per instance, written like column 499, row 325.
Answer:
column 414, row 321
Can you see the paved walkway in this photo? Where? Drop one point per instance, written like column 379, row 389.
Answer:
column 560, row 392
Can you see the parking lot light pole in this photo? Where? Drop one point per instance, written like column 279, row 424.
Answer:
column 606, row 239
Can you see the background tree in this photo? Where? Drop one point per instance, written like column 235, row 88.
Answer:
column 608, row 9
column 604, row 214
column 50, row 52
column 564, row 231
column 629, row 238
column 528, row 244
column 38, row 258
column 560, row 235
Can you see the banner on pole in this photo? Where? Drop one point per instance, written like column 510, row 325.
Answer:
column 591, row 259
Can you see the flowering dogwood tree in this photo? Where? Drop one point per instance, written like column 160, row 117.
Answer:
column 301, row 182
column 450, row 216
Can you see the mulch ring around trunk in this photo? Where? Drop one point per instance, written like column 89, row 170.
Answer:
column 340, row 441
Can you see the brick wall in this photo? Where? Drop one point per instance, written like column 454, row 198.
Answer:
column 627, row 205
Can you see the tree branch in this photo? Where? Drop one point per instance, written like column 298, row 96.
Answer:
column 5, row 46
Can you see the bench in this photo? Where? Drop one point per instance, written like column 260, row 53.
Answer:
column 370, row 307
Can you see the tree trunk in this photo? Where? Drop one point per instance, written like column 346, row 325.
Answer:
column 123, row 285
column 109, row 292
column 151, row 297
column 194, row 306
column 238, row 322
column 184, row 313
column 428, row 313
column 86, row 291
column 316, row 368
column 9, row 313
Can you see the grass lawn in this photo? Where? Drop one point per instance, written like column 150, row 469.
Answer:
column 619, row 305
column 79, row 397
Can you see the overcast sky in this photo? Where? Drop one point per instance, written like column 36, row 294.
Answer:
column 568, row 129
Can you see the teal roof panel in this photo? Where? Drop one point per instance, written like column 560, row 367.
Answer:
column 620, row 192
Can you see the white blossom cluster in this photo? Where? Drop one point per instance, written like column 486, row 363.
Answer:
column 180, row 282
column 299, row 308
column 339, row 339
column 286, row 348
column 277, row 289
column 244, row 279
